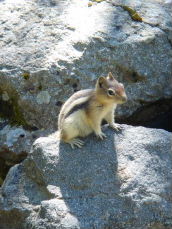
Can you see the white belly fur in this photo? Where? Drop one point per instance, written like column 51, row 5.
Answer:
column 76, row 124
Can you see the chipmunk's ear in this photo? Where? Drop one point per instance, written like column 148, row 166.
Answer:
column 101, row 81
column 110, row 76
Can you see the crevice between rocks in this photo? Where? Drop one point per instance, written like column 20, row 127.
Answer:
column 152, row 114
column 7, row 160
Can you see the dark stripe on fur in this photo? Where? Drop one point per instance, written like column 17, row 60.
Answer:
column 78, row 107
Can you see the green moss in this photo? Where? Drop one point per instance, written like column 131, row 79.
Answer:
column 11, row 111
column 91, row 2
column 133, row 13
column 26, row 75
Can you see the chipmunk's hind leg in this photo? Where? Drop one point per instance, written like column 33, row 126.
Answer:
column 69, row 134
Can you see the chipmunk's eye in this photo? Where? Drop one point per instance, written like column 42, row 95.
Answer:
column 111, row 92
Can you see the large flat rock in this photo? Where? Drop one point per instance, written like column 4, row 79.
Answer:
column 121, row 182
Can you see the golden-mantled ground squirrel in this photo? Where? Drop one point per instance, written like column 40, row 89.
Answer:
column 84, row 111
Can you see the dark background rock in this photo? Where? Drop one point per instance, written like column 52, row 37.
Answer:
column 155, row 115
column 121, row 182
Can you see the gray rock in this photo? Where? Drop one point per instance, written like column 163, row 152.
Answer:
column 49, row 49
column 121, row 182
column 15, row 144
column 43, row 97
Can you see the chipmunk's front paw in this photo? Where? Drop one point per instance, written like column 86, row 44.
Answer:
column 101, row 135
column 116, row 127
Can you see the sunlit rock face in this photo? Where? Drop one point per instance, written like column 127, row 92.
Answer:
column 121, row 182
column 49, row 49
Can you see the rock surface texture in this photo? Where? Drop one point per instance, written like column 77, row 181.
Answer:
column 15, row 144
column 122, row 182
column 50, row 49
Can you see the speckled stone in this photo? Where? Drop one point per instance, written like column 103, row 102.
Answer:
column 121, row 182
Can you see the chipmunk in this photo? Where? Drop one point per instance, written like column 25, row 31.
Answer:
column 84, row 111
